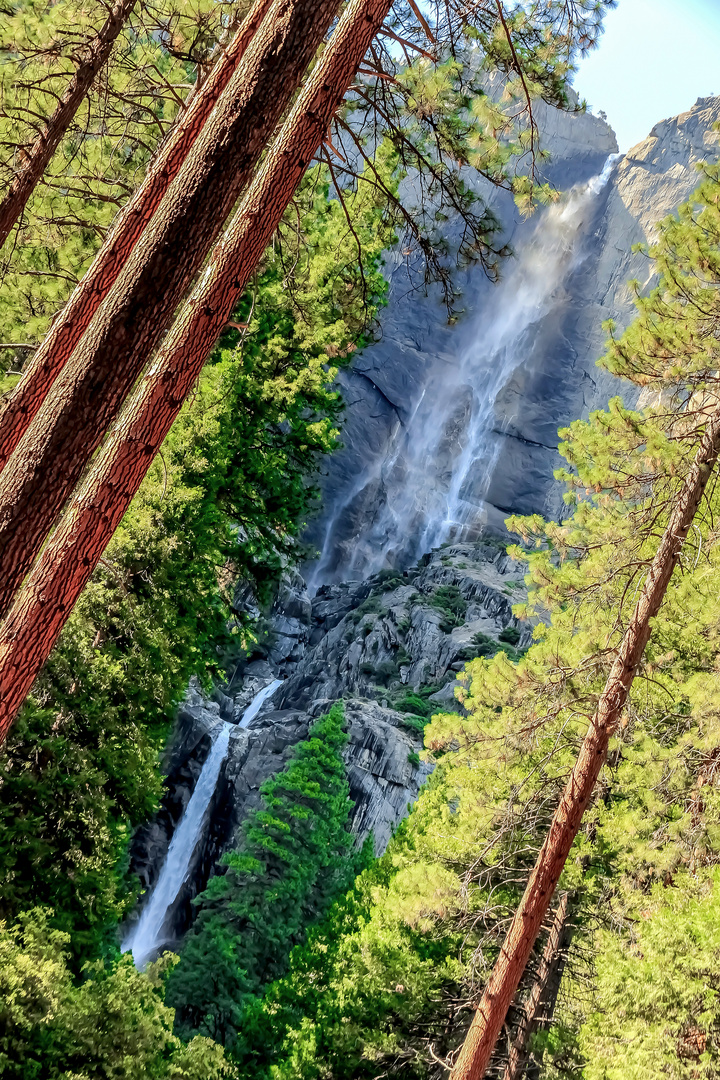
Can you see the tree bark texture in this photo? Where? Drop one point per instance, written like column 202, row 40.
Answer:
column 86, row 396
column 42, row 606
column 91, row 59
column 531, row 1017
column 19, row 408
column 505, row 977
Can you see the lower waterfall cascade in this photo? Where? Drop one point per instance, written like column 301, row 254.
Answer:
column 146, row 937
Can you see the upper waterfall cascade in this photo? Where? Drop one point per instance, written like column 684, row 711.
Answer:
column 437, row 469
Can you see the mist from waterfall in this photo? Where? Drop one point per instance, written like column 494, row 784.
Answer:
column 435, row 476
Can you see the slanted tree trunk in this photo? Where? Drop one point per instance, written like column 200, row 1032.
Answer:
column 19, row 408
column 86, row 396
column 91, row 59
column 41, row 608
column 532, row 1015
column 529, row 917
column 534, row 1069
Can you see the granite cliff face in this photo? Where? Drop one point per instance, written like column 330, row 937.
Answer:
column 394, row 390
column 448, row 429
column 391, row 646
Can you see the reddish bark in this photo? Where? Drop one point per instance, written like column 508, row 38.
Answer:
column 531, row 1017
column 529, row 917
column 92, row 57
column 88, row 393
column 41, row 608
column 20, row 407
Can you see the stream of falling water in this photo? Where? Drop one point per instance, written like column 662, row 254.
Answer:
column 435, row 475
column 258, row 701
column 146, row 937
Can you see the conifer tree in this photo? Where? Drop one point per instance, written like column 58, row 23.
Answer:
column 19, row 408
column 672, row 347
column 117, row 475
column 89, row 61
column 294, row 858
column 86, row 397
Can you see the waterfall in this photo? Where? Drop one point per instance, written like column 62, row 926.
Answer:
column 146, row 938
column 258, row 701
column 434, row 476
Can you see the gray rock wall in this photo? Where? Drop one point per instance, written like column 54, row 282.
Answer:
column 555, row 381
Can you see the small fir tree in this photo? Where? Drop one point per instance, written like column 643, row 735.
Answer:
column 295, row 857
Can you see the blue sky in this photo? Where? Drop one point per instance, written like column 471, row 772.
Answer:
column 654, row 60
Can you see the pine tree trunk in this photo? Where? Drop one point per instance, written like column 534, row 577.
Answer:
column 532, row 1017
column 88, row 393
column 518, row 944
column 534, row 1069
column 40, row 610
column 93, row 56
column 19, row 408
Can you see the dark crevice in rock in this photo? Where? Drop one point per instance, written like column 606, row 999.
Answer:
column 383, row 395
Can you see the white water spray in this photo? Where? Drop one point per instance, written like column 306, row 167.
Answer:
column 147, row 937
column 436, row 473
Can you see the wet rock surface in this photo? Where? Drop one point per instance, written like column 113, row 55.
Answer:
column 405, row 630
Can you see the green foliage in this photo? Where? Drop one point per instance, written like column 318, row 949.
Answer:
column 412, row 702
column 114, row 1023
column 484, row 644
column 294, row 858
column 370, row 606
column 390, row 579
column 657, row 1008
column 223, row 502
column 102, row 157
column 364, row 980
column 412, row 722
column 449, row 600
column 385, row 671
